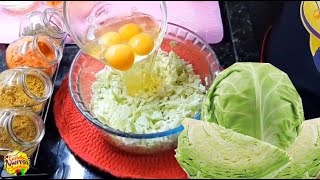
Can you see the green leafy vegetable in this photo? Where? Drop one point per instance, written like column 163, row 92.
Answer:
column 258, row 100
column 305, row 152
column 207, row 150
column 180, row 95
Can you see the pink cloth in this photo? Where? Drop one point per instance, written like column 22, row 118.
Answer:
column 202, row 17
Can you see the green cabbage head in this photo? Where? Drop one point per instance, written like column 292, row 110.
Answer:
column 258, row 100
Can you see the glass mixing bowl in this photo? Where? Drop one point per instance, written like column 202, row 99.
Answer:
column 83, row 19
column 82, row 75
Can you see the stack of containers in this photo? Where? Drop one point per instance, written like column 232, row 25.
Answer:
column 27, row 84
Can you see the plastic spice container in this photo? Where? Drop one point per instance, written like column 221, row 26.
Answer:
column 20, row 130
column 34, row 51
column 24, row 88
column 49, row 23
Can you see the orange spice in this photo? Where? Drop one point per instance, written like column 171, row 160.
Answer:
column 55, row 4
column 21, row 54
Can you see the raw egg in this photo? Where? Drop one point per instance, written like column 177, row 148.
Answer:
column 120, row 56
column 129, row 30
column 142, row 44
column 110, row 38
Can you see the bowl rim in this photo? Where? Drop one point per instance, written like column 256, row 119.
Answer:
column 87, row 114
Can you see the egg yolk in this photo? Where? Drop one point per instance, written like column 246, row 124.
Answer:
column 110, row 38
column 142, row 44
column 120, row 56
column 129, row 30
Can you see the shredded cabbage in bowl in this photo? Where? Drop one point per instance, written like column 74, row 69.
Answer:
column 180, row 96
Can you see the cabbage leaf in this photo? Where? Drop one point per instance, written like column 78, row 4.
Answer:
column 305, row 152
column 207, row 150
column 255, row 99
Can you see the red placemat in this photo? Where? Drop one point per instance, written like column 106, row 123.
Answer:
column 88, row 143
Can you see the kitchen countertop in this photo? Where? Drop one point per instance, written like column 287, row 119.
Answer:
column 55, row 158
